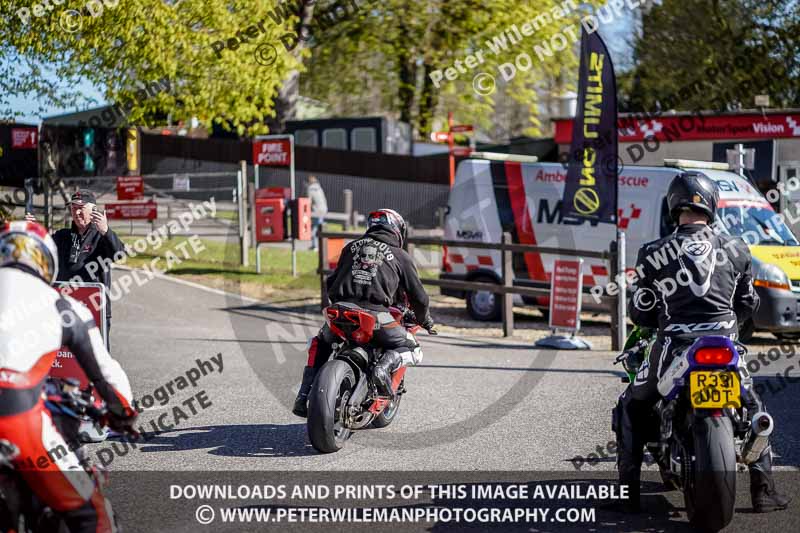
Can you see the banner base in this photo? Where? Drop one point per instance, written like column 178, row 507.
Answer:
column 562, row 342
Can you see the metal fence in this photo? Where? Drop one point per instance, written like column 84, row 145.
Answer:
column 173, row 192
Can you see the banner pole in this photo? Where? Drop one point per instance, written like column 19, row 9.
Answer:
column 296, row 222
column 622, row 301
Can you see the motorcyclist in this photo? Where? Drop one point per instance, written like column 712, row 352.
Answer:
column 35, row 322
column 695, row 276
column 374, row 272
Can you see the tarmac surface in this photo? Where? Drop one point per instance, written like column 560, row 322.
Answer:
column 478, row 410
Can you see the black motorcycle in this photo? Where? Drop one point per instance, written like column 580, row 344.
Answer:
column 700, row 427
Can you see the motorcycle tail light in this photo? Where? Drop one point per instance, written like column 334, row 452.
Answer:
column 353, row 316
column 713, row 356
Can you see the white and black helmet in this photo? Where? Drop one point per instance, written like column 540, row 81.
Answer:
column 391, row 219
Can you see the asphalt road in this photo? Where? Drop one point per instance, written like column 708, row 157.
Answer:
column 474, row 407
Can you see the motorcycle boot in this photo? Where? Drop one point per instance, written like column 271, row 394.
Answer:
column 765, row 497
column 301, row 402
column 382, row 375
column 630, row 450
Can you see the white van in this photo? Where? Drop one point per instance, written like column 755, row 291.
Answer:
column 493, row 193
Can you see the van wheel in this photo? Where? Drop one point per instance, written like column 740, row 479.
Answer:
column 483, row 305
column 747, row 330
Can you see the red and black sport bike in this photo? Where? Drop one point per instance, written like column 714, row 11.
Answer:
column 20, row 510
column 344, row 397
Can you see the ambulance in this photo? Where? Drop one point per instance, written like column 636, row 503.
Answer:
column 496, row 193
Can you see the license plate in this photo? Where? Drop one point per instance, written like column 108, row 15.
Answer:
column 711, row 389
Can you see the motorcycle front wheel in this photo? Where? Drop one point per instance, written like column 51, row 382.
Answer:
column 326, row 406
column 711, row 496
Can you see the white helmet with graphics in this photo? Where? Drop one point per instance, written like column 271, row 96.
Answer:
column 28, row 245
column 391, row 219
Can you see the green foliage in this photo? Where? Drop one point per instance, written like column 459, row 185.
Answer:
column 374, row 60
column 380, row 60
column 700, row 54
column 142, row 41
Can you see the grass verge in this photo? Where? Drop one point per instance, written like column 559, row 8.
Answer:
column 218, row 266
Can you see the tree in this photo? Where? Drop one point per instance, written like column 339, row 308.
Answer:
column 206, row 50
column 718, row 54
column 381, row 59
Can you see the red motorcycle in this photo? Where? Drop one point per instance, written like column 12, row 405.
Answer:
column 20, row 510
column 343, row 397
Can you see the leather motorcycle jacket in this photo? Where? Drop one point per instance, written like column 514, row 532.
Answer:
column 693, row 282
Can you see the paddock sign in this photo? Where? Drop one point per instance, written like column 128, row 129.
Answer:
column 565, row 295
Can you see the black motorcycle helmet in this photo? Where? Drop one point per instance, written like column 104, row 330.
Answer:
column 692, row 190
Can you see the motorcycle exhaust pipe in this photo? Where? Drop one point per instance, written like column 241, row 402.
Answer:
column 760, row 430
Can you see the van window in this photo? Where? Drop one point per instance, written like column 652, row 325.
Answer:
column 756, row 225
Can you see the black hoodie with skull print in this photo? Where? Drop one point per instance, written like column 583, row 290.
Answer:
column 375, row 273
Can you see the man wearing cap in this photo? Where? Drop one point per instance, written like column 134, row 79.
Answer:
column 87, row 249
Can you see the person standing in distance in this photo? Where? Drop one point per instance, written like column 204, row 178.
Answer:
column 319, row 208
column 86, row 242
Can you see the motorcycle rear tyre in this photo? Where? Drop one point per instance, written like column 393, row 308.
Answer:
column 331, row 388
column 711, row 498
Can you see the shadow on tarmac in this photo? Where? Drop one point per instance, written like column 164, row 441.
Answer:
column 260, row 440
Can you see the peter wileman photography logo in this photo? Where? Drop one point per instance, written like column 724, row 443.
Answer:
column 70, row 19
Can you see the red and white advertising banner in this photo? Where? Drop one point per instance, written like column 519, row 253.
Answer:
column 24, row 138
column 565, row 295
column 132, row 211
column 272, row 152
column 130, row 187
column 93, row 296
column 696, row 127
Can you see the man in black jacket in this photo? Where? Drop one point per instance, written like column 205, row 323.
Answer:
column 374, row 272
column 87, row 249
column 692, row 283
